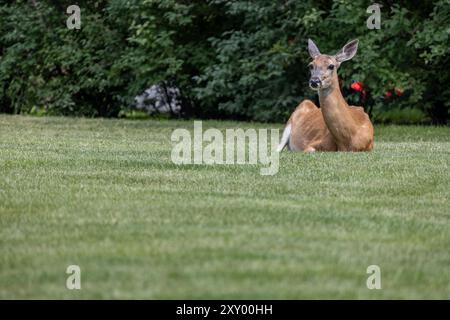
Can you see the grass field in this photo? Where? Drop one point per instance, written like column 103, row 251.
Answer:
column 104, row 195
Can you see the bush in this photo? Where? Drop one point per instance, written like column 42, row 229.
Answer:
column 237, row 59
column 48, row 67
column 261, row 70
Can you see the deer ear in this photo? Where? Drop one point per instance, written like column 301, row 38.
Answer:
column 348, row 51
column 313, row 50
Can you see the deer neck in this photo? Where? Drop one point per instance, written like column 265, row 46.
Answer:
column 336, row 114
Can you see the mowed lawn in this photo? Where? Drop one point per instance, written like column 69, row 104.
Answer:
column 104, row 195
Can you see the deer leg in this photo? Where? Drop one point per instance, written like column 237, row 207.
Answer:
column 309, row 149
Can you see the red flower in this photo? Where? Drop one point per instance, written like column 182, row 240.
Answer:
column 398, row 92
column 388, row 94
column 357, row 86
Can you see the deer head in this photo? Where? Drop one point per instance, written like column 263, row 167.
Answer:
column 324, row 67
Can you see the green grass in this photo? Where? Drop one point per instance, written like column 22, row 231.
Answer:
column 103, row 194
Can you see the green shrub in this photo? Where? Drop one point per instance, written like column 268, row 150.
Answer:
column 261, row 67
column 45, row 66
column 399, row 116
column 236, row 59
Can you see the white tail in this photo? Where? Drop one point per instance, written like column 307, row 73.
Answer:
column 285, row 138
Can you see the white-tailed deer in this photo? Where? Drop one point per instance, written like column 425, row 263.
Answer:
column 335, row 126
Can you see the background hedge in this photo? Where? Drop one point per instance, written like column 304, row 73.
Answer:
column 230, row 59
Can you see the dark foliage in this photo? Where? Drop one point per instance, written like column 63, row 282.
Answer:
column 230, row 59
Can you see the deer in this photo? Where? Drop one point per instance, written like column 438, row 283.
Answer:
column 335, row 126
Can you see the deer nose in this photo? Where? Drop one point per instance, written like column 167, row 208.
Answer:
column 314, row 82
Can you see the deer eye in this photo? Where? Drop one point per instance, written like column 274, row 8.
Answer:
column 331, row 67
column 311, row 67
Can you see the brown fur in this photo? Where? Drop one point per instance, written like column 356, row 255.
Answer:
column 309, row 132
column 335, row 126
